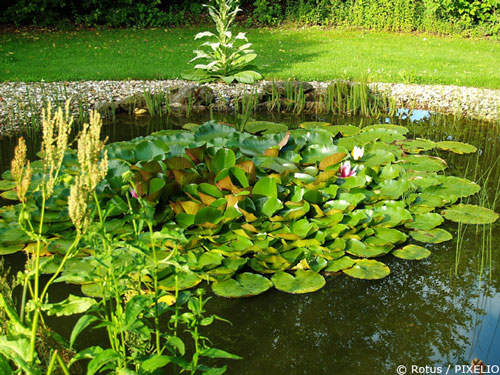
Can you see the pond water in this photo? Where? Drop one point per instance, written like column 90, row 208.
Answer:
column 441, row 311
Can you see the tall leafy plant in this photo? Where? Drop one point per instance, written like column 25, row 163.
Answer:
column 224, row 56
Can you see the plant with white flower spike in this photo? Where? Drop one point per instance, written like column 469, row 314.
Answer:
column 226, row 56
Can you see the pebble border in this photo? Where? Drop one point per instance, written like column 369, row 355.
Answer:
column 17, row 99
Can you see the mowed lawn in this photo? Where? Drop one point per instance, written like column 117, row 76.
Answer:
column 283, row 53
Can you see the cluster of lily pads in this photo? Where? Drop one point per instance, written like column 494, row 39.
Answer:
column 268, row 206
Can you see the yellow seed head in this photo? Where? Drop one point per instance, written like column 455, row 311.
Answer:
column 21, row 170
column 92, row 170
column 77, row 205
column 55, row 133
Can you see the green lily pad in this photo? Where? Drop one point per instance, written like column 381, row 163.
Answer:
column 396, row 128
column 425, row 221
column 265, row 127
column 414, row 146
column 265, row 187
column 244, row 285
column 185, row 280
column 411, row 252
column 470, row 214
column 437, row 235
column 313, row 124
column 224, row 158
column 303, row 282
column 390, row 236
column 453, row 186
column 211, row 130
column 340, row 264
column 368, row 269
column 456, row 147
column 424, row 163
column 345, row 130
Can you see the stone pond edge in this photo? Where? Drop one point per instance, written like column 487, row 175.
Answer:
column 18, row 100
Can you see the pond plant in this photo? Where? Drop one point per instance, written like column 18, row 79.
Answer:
column 226, row 56
column 243, row 210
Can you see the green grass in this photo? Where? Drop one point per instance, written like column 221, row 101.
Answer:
column 283, row 53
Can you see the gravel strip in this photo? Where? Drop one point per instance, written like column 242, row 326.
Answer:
column 18, row 100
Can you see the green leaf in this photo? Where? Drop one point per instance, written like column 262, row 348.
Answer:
column 185, row 280
column 453, row 186
column 70, row 306
column 368, row 269
column 210, row 130
column 313, row 124
column 303, row 282
column 431, row 236
column 4, row 366
column 135, row 306
column 103, row 358
column 156, row 185
column 271, row 206
column 80, row 325
column 424, row 163
column 345, row 130
column 411, row 252
column 218, row 353
column 265, row 187
column 210, row 190
column 340, row 264
column 456, row 147
column 248, row 76
column 208, row 215
column 7, row 184
column 425, row 221
column 415, row 146
column 318, row 152
column 224, row 158
column 238, row 177
column 265, row 127
column 470, row 214
column 155, row 362
column 244, row 285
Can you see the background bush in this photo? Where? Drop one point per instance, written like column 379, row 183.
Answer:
column 467, row 17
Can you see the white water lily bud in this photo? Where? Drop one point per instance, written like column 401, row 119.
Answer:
column 357, row 152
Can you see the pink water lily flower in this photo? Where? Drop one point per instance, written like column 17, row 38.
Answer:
column 133, row 193
column 346, row 171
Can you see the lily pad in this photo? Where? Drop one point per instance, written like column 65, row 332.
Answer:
column 425, row 221
column 453, row 186
column 456, row 147
column 470, row 214
column 246, row 284
column 313, row 124
column 411, row 252
column 265, row 127
column 368, row 269
column 345, row 130
column 437, row 235
column 415, row 146
column 340, row 264
column 424, row 163
column 303, row 282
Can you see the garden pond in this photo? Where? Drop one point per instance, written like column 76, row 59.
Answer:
column 438, row 311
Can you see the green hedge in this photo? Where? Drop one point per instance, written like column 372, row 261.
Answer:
column 470, row 17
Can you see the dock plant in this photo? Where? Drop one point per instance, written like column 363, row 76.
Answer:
column 71, row 234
